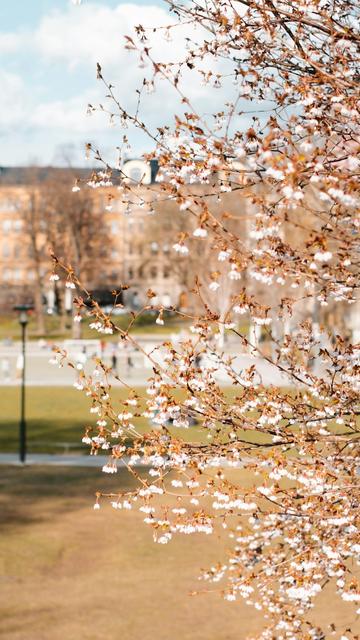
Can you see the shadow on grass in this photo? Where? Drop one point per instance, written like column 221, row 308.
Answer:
column 34, row 493
column 44, row 437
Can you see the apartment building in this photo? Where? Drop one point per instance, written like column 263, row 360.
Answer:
column 133, row 250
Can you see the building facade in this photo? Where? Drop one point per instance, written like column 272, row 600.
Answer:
column 136, row 251
column 133, row 232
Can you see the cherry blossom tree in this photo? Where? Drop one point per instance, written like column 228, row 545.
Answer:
column 286, row 141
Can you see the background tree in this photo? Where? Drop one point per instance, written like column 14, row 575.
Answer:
column 36, row 245
column 75, row 231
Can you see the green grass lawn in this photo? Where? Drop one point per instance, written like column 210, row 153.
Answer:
column 9, row 327
column 56, row 417
column 145, row 324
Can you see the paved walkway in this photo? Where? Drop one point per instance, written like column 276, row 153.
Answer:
column 54, row 460
column 39, row 372
column 46, row 459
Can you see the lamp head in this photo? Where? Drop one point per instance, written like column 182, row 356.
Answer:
column 23, row 310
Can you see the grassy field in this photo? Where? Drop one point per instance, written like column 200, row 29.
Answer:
column 9, row 327
column 71, row 573
column 56, row 417
column 145, row 324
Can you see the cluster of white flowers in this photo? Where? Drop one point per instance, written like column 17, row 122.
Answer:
column 110, row 467
column 224, row 255
column 323, row 256
column 262, row 321
column 303, row 593
column 234, row 274
column 181, row 248
column 227, row 504
column 200, row 232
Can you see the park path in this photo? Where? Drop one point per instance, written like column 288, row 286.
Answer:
column 39, row 372
column 47, row 459
column 55, row 460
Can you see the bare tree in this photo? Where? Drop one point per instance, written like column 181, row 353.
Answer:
column 76, row 231
column 32, row 216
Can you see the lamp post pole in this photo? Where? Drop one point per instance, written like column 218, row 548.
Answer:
column 22, row 431
column 23, row 320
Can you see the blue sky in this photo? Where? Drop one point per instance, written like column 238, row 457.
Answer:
column 48, row 54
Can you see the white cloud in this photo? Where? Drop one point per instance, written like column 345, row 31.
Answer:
column 68, row 115
column 13, row 100
column 83, row 36
column 11, row 42
column 94, row 33
column 76, row 39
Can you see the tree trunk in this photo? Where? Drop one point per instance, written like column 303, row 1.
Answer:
column 76, row 327
column 39, row 311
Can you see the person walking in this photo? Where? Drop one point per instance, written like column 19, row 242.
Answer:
column 5, row 368
column 114, row 359
column 129, row 363
column 81, row 359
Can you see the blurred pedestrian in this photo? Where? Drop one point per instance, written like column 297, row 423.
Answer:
column 5, row 368
column 114, row 359
column 81, row 359
column 129, row 363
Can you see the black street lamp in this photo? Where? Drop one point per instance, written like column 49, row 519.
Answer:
column 23, row 310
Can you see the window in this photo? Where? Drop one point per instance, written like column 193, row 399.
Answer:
column 166, row 248
column 18, row 225
column 7, row 273
column 141, row 272
column 8, row 205
column 5, row 250
column 6, row 226
column 17, row 274
column 114, row 227
column 114, row 254
column 31, row 274
column 17, row 251
column 135, row 300
column 153, row 272
column 154, row 247
column 166, row 272
column 130, row 273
